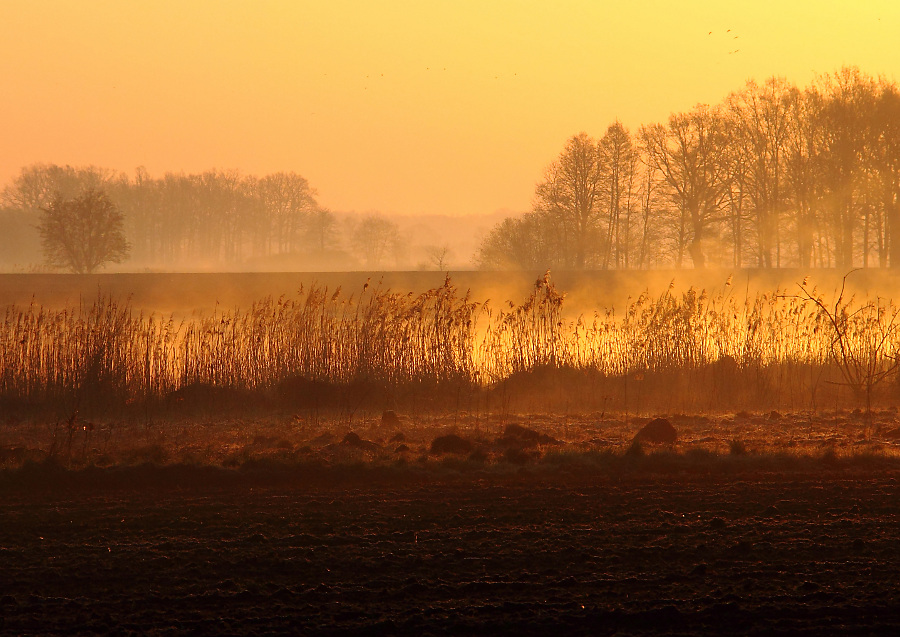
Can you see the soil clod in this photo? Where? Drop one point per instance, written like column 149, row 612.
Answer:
column 657, row 431
column 353, row 440
column 390, row 419
column 523, row 437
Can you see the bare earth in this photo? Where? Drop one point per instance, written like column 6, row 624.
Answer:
column 808, row 551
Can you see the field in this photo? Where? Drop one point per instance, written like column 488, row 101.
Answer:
column 429, row 500
column 810, row 552
column 586, row 291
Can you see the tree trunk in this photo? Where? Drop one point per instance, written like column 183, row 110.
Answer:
column 892, row 212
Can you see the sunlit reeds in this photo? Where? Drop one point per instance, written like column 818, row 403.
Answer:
column 101, row 355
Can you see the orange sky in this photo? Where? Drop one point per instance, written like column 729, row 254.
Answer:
column 406, row 107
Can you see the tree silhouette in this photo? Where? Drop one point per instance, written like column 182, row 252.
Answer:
column 83, row 233
column 571, row 194
column 375, row 238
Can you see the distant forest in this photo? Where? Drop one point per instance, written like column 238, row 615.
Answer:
column 774, row 176
column 221, row 220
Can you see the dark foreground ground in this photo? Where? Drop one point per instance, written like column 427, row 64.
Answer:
column 808, row 552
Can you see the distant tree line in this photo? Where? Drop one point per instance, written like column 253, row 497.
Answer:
column 221, row 217
column 775, row 176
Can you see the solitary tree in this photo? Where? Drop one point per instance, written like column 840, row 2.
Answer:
column 438, row 256
column 83, row 233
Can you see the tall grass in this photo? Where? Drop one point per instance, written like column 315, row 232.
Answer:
column 786, row 347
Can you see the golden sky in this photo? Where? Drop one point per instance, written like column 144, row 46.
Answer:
column 420, row 106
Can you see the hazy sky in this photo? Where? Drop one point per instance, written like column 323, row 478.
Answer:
column 411, row 107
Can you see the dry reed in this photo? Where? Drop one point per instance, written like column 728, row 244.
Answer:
column 100, row 356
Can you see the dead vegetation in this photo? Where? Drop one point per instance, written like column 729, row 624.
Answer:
column 328, row 362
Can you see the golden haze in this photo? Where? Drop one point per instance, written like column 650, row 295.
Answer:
column 403, row 107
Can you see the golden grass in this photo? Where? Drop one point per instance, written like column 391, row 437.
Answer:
column 440, row 350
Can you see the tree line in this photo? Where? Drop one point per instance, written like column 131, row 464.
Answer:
column 85, row 217
column 774, row 176
column 217, row 216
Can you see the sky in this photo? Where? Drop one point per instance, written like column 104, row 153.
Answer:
column 401, row 107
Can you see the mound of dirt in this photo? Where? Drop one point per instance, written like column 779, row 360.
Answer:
column 892, row 434
column 523, row 437
column 353, row 440
column 390, row 419
column 657, row 431
column 450, row 443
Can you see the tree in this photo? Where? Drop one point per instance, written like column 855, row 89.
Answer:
column 83, row 233
column 688, row 153
column 375, row 238
column 571, row 194
column 846, row 102
column 321, row 230
column 289, row 211
column 533, row 241
column 884, row 162
column 760, row 125
column 618, row 159
column 438, row 255
column 36, row 186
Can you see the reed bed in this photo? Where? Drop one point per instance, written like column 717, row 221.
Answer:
column 103, row 356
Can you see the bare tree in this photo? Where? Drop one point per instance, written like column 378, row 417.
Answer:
column 570, row 194
column 846, row 98
column 618, row 160
column 288, row 202
column 802, row 175
column 761, row 126
column 688, row 154
column 438, row 256
column 375, row 238
column 83, row 233
column 320, row 229
column 884, row 163
column 527, row 242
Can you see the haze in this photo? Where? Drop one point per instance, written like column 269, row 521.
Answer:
column 401, row 107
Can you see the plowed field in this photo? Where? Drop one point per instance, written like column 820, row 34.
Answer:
column 754, row 552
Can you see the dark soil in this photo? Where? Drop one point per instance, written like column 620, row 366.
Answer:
column 808, row 552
